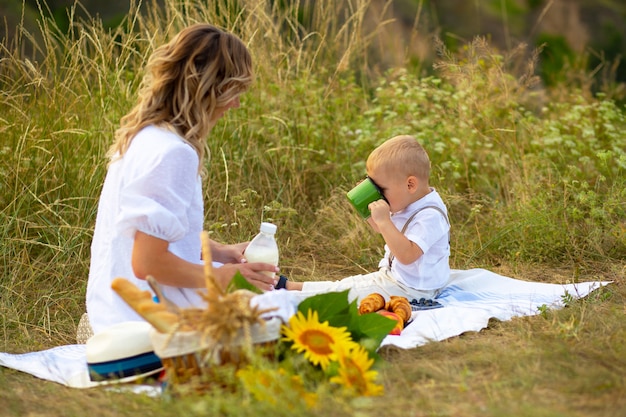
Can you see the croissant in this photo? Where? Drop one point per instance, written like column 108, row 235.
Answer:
column 371, row 303
column 400, row 306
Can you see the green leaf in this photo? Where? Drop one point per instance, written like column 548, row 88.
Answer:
column 372, row 326
column 240, row 283
column 330, row 307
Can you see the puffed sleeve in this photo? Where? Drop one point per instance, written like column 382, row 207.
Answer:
column 157, row 190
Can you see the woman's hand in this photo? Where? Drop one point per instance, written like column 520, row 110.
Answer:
column 231, row 256
column 256, row 273
column 228, row 254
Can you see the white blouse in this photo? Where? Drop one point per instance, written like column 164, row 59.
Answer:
column 154, row 188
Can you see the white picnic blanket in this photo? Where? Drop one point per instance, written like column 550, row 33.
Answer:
column 471, row 298
column 474, row 296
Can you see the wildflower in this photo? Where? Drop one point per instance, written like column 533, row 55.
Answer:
column 275, row 386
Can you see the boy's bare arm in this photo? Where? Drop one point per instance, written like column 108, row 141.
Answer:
column 404, row 250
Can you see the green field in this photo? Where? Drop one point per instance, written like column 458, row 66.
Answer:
column 534, row 178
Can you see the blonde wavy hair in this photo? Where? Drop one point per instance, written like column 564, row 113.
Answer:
column 200, row 70
column 401, row 155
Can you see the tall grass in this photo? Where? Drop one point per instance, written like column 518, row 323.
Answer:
column 526, row 178
column 531, row 175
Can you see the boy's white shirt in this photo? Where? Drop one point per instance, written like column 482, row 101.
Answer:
column 429, row 229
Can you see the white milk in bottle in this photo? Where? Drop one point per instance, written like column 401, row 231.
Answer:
column 263, row 248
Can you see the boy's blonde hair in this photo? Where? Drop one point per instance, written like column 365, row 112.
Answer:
column 401, row 156
column 202, row 68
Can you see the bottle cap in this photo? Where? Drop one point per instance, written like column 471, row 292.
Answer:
column 268, row 228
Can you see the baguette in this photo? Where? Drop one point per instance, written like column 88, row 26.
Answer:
column 156, row 314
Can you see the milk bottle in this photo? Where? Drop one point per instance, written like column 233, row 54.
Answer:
column 263, row 248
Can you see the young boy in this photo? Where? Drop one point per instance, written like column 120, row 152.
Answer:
column 413, row 221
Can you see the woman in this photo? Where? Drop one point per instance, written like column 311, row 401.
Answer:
column 150, row 213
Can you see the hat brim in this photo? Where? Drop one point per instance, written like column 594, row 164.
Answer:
column 125, row 369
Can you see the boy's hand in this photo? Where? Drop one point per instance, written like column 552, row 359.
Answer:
column 380, row 211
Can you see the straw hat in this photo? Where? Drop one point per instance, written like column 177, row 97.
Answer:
column 83, row 330
column 122, row 352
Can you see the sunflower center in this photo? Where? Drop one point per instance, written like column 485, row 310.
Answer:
column 354, row 374
column 317, row 341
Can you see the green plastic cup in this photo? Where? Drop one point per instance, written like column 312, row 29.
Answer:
column 362, row 195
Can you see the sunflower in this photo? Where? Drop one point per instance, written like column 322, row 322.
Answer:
column 316, row 339
column 355, row 373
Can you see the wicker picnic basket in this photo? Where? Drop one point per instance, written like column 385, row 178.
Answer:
column 192, row 356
